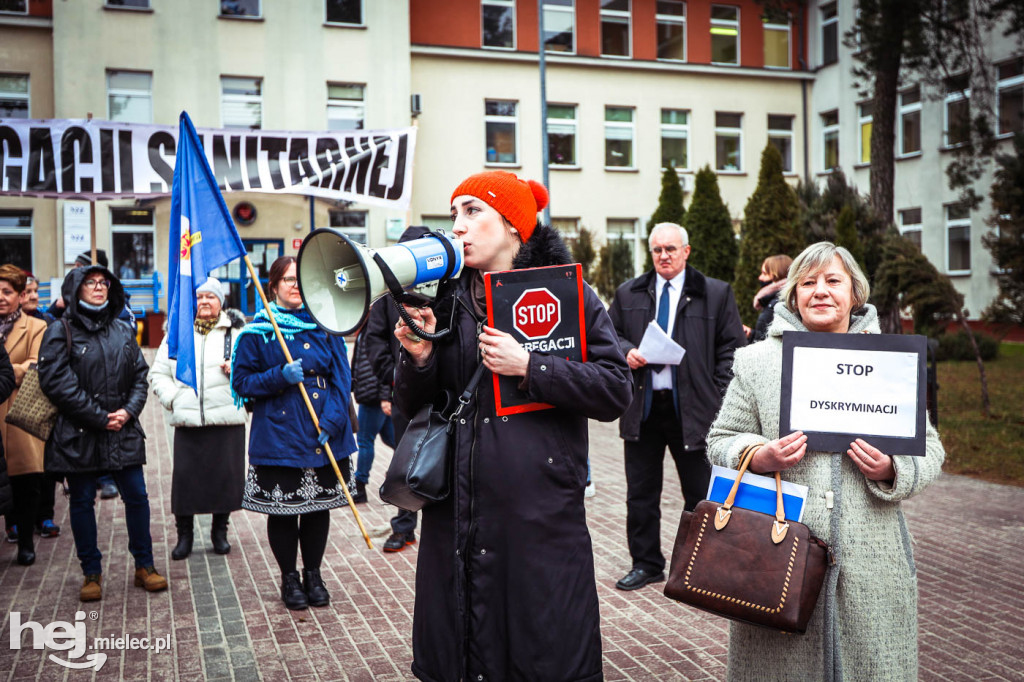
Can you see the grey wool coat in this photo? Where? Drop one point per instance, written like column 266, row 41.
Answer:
column 865, row 624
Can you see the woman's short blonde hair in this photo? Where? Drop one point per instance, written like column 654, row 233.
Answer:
column 816, row 257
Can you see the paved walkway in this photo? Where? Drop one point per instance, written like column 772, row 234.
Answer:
column 224, row 620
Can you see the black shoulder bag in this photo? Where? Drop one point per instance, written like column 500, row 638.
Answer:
column 420, row 470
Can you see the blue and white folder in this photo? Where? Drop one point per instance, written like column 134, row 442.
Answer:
column 757, row 493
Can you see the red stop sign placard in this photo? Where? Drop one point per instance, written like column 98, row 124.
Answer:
column 536, row 313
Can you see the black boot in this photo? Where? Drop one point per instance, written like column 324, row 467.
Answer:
column 360, row 495
column 185, row 537
column 219, row 534
column 316, row 591
column 291, row 592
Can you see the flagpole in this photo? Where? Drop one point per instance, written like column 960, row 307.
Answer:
column 305, row 398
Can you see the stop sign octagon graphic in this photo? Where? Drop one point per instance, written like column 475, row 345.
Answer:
column 536, row 313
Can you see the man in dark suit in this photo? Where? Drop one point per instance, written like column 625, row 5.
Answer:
column 672, row 406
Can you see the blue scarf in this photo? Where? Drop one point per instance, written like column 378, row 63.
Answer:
column 289, row 324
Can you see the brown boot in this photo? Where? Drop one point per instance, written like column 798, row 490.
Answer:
column 148, row 578
column 91, row 588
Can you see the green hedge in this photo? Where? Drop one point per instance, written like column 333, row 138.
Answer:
column 958, row 347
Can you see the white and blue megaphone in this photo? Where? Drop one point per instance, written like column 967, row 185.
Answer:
column 339, row 279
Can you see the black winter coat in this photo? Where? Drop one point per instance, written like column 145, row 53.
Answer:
column 765, row 318
column 7, row 385
column 104, row 372
column 707, row 325
column 505, row 585
column 366, row 387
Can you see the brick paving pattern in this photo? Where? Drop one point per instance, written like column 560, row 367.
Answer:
column 226, row 622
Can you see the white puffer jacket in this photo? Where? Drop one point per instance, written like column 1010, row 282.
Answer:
column 212, row 405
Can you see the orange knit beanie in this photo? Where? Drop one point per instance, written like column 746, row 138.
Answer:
column 517, row 200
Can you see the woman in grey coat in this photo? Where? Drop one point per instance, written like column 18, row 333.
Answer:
column 865, row 624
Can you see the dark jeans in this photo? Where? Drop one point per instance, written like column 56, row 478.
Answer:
column 132, row 484
column 372, row 421
column 644, row 478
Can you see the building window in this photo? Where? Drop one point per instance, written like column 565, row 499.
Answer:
column 830, row 139
column 16, row 238
column 829, row 34
column 14, row 101
column 241, row 102
column 240, row 8
column 13, row 6
column 866, row 111
column 619, row 133
column 437, row 222
column 624, row 229
column 130, row 96
column 776, row 40
column 675, row 139
column 562, row 135
column 346, row 106
column 957, row 111
column 780, row 134
column 345, row 12
column 559, row 26
column 133, row 236
column 352, row 224
column 910, row 121
column 725, row 34
column 499, row 23
column 615, row 28
column 1010, row 103
column 910, row 225
column 671, row 29
column 134, row 4
column 569, row 229
column 958, row 240
column 500, row 121
column 728, row 142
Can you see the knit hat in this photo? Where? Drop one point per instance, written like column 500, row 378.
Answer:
column 212, row 286
column 517, row 200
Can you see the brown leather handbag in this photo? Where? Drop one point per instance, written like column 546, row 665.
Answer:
column 748, row 566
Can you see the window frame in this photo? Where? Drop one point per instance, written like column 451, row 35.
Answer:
column 956, row 223
column 351, row 231
column 616, row 16
column 903, row 110
column 242, row 99
column 633, row 238
column 565, row 9
column 825, row 131
column 729, row 132
column 6, row 232
column 147, row 8
column 675, row 127
column 362, row 16
column 769, row 25
column 784, row 133
column 1006, row 84
column 826, row 24
column 338, row 103
column 954, row 97
column 128, row 228
column 27, row 95
column 258, row 15
column 125, row 92
column 672, row 19
column 631, row 126
column 864, row 153
column 498, row 118
column 569, row 237
column 12, row 12
column 912, row 227
column 515, row 34
column 575, row 123
column 722, row 23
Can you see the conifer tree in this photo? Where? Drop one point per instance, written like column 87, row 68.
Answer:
column 583, row 252
column 770, row 227
column 1006, row 242
column 614, row 267
column 670, row 208
column 709, row 227
column 846, row 234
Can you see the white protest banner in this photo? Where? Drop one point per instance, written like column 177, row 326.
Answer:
column 838, row 387
column 76, row 229
column 91, row 159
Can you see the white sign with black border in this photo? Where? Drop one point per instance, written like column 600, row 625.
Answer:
column 839, row 387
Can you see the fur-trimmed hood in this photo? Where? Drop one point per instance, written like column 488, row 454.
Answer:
column 544, row 247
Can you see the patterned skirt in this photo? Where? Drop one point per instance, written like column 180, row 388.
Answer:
column 290, row 490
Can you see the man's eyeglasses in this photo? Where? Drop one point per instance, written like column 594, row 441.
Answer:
column 290, row 281
column 670, row 250
column 96, row 283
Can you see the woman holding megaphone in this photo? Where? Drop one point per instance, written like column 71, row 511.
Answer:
column 505, row 573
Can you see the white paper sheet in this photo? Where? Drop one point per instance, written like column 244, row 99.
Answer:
column 658, row 348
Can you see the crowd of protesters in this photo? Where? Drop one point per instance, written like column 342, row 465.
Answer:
column 515, row 523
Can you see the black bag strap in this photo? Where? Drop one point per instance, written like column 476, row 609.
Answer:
column 467, row 395
column 227, row 344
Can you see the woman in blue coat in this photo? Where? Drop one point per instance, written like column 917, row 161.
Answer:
column 289, row 478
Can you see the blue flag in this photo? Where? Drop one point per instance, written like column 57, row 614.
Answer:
column 202, row 238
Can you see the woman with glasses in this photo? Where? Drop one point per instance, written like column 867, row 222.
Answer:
column 290, row 479
column 92, row 370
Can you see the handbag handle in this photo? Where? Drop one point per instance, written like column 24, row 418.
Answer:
column 780, row 526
